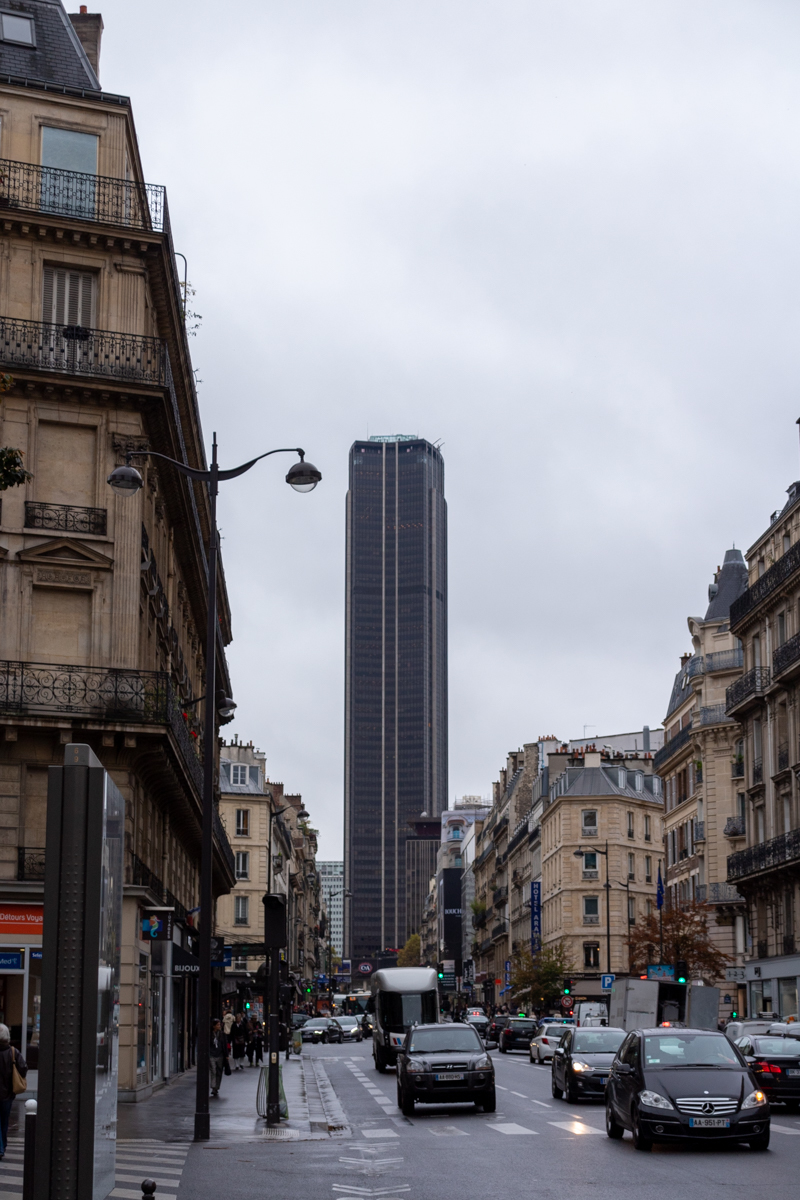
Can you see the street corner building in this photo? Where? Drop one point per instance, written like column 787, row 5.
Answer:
column 395, row 680
column 103, row 598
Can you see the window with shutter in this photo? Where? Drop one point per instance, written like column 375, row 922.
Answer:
column 68, row 297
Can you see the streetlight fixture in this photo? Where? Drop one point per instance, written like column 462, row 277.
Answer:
column 125, row 480
column 596, row 850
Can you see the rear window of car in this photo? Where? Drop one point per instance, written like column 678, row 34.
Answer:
column 522, row 1026
column 776, row 1045
column 690, row 1050
column 317, row 1023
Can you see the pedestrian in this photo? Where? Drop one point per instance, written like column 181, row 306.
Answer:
column 239, row 1038
column 250, row 1048
column 227, row 1024
column 258, row 1043
column 8, row 1056
column 218, row 1055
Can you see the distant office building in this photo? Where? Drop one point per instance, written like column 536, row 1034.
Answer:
column 331, row 875
column 395, row 676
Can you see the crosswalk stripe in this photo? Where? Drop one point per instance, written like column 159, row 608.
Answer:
column 514, row 1129
column 576, row 1127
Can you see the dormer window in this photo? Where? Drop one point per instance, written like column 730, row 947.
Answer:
column 17, row 29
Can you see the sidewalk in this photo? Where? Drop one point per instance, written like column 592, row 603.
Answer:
column 314, row 1111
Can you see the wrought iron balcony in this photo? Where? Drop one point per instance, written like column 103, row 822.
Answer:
column 722, row 893
column 79, row 350
column 30, row 863
column 125, row 203
column 499, row 930
column 783, row 756
column 786, row 655
column 65, row 517
column 142, row 876
column 711, row 714
column 753, row 683
column 222, row 839
column 737, row 768
column 500, row 894
column 671, row 747
column 735, row 827
column 725, row 660
column 765, row 856
column 758, row 771
column 769, row 582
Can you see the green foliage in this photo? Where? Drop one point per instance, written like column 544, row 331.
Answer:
column 538, row 979
column 12, row 472
column 410, row 954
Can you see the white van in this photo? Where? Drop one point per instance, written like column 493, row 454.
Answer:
column 401, row 997
column 591, row 1012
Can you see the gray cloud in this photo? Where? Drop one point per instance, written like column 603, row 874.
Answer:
column 559, row 236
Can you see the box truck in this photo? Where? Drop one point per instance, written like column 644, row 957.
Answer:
column 645, row 1003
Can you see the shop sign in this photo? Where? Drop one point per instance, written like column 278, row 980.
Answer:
column 184, row 963
column 157, row 927
column 10, row 960
column 21, row 919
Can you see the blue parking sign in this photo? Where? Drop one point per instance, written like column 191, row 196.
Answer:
column 606, row 982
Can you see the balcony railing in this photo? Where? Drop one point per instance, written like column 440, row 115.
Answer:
column 735, row 827
column 758, row 771
column 699, row 831
column 30, row 863
column 769, row 582
column 67, row 518
column 500, row 894
column 725, row 660
column 721, row 893
column 786, row 654
column 783, row 756
column 591, row 918
column 764, row 856
column 671, row 747
column 222, row 839
column 751, row 684
column 499, row 930
column 485, row 946
column 79, row 196
column 710, row 714
column 79, row 350
column 737, row 768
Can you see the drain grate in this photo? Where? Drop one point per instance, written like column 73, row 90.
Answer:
column 280, row 1135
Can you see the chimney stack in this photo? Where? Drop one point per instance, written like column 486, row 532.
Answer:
column 89, row 28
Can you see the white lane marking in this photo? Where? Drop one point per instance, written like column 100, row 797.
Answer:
column 501, row 1088
column 541, row 1103
column 512, row 1128
column 448, row 1131
column 520, row 1095
column 783, row 1128
column 576, row 1127
column 373, row 1133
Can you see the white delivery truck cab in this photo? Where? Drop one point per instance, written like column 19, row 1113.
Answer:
column 401, row 997
column 591, row 1012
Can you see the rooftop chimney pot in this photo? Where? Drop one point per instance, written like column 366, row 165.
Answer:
column 89, row 28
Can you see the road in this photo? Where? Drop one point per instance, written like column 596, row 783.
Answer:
column 455, row 1153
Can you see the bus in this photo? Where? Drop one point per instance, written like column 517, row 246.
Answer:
column 350, row 1004
column 401, row 997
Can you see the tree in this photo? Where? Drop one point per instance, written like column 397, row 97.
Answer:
column 409, row 955
column 685, row 937
column 12, row 472
column 537, row 979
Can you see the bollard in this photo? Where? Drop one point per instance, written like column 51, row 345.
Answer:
column 148, row 1187
column 29, row 1153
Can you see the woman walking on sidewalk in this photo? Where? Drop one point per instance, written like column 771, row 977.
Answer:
column 9, row 1058
column 218, row 1055
column 240, row 1035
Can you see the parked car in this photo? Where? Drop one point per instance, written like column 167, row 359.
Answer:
column 736, row 1029
column 545, row 1040
column 496, row 1025
column 299, row 1019
column 322, row 1029
column 775, row 1062
column 444, row 1064
column 479, row 1021
column 351, row 1028
column 582, row 1061
column 669, row 1085
column 517, row 1035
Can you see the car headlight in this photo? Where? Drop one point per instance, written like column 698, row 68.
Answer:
column 754, row 1100
column 414, row 1067
column 579, row 1066
column 482, row 1063
column 654, row 1100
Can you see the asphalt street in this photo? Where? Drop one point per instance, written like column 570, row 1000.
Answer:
column 446, row 1152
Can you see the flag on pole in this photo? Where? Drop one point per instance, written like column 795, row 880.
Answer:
column 660, row 890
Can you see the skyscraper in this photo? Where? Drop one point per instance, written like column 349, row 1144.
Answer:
column 395, row 676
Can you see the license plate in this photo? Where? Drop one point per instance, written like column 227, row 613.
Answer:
column 602, row 1078
column 449, row 1077
column 792, row 1071
column 709, row 1123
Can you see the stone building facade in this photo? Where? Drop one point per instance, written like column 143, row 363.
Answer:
column 103, row 597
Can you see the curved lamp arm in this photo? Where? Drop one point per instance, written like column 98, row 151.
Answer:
column 206, row 476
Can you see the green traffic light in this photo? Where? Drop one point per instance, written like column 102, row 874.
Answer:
column 441, row 974
column 681, row 979
column 566, row 991
column 733, row 1016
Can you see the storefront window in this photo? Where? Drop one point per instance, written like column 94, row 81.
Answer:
column 761, row 996
column 788, row 997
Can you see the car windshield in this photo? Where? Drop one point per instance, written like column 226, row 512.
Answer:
column 598, row 1041
column 778, row 1045
column 317, row 1023
column 444, row 1039
column 523, row 1026
column 690, row 1050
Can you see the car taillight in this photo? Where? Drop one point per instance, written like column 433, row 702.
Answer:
column 768, row 1068
column 546, row 1041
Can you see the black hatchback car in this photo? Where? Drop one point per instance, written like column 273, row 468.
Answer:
column 517, row 1034
column 670, row 1085
column 775, row 1062
column 444, row 1064
column 582, row 1062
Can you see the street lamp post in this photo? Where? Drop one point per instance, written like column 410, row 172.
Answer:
column 346, row 894
column 596, row 850
column 627, row 886
column 126, row 481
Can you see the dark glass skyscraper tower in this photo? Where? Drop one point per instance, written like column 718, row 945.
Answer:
column 395, row 676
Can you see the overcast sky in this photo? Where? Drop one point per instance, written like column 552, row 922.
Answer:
column 563, row 238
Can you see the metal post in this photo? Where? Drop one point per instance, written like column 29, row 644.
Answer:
column 149, row 1187
column 608, row 918
column 166, row 1041
column 273, row 1077
column 23, row 1049
column 29, row 1157
column 202, row 1119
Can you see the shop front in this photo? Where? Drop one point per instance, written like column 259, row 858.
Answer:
column 773, row 984
column 21, row 975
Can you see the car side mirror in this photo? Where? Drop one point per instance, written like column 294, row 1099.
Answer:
column 623, row 1068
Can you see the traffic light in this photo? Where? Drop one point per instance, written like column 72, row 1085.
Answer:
column 733, row 1016
column 308, row 991
column 567, row 988
column 681, row 971
column 441, row 974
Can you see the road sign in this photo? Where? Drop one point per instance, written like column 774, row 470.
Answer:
column 566, row 1002
column 606, row 982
